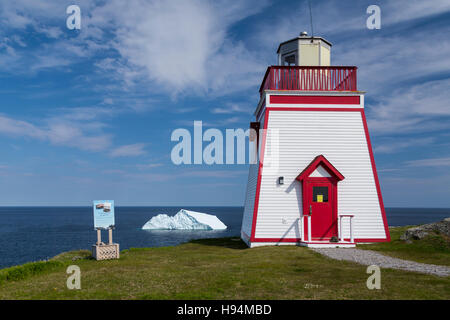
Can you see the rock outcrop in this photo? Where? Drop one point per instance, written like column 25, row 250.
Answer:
column 420, row 232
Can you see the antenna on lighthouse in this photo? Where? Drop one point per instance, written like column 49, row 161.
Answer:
column 311, row 20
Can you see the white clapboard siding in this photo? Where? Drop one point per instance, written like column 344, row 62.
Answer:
column 249, row 205
column 303, row 135
column 250, row 199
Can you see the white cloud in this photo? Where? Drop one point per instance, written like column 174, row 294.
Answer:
column 70, row 135
column 336, row 18
column 108, row 101
column 207, row 174
column 231, row 108
column 87, row 113
column 178, row 46
column 383, row 59
column 50, row 32
column 421, row 108
column 181, row 110
column 14, row 127
column 130, row 150
column 398, row 144
column 412, row 190
column 433, row 162
column 148, row 166
column 173, row 47
column 400, row 11
column 214, row 124
column 57, row 132
column 184, row 45
column 214, row 173
column 385, row 64
column 388, row 170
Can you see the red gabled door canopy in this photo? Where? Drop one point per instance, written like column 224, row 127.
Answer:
column 320, row 161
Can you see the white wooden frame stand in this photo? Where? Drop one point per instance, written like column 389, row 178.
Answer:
column 102, row 251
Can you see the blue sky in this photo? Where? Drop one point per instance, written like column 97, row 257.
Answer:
column 87, row 114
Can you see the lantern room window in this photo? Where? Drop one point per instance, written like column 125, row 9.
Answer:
column 290, row 59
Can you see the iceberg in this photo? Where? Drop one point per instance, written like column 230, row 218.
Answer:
column 185, row 220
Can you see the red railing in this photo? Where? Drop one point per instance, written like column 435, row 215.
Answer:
column 309, row 78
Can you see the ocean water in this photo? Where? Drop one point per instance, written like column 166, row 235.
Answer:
column 38, row 233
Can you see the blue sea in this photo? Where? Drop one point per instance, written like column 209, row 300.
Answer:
column 38, row 233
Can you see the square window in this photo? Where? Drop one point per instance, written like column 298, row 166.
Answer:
column 290, row 60
column 320, row 194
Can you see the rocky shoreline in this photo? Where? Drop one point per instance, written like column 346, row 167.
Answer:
column 422, row 231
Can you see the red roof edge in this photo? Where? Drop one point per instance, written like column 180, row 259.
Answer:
column 320, row 160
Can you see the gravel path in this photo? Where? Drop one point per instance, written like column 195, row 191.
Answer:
column 369, row 257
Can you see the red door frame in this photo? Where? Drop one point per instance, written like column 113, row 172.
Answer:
column 307, row 199
column 304, row 178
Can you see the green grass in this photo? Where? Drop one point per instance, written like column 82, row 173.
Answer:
column 434, row 249
column 214, row 269
column 30, row 269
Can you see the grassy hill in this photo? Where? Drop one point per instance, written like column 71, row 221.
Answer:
column 214, row 269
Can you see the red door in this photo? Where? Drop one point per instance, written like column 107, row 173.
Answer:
column 321, row 200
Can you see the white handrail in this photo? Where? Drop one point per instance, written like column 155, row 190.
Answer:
column 302, row 231
column 341, row 232
column 351, row 230
column 309, row 228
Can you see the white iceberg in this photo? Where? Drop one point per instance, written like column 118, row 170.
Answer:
column 185, row 220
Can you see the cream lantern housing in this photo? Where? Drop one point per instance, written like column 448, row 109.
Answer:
column 304, row 51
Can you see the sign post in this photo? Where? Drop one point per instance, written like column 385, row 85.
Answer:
column 104, row 220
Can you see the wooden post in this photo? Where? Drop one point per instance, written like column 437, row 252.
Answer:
column 341, row 231
column 110, row 235
column 99, row 236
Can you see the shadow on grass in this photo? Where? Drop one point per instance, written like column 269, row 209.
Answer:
column 230, row 243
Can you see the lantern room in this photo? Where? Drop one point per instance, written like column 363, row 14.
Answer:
column 304, row 51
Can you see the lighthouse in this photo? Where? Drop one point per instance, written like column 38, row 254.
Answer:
column 315, row 182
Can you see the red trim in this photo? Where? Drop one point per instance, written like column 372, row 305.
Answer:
column 328, row 242
column 315, row 163
column 372, row 239
column 314, row 99
column 367, row 239
column 258, row 184
column 315, row 109
column 309, row 78
column 372, row 159
column 315, row 242
column 307, row 196
column 377, row 182
column 305, row 179
column 276, row 240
